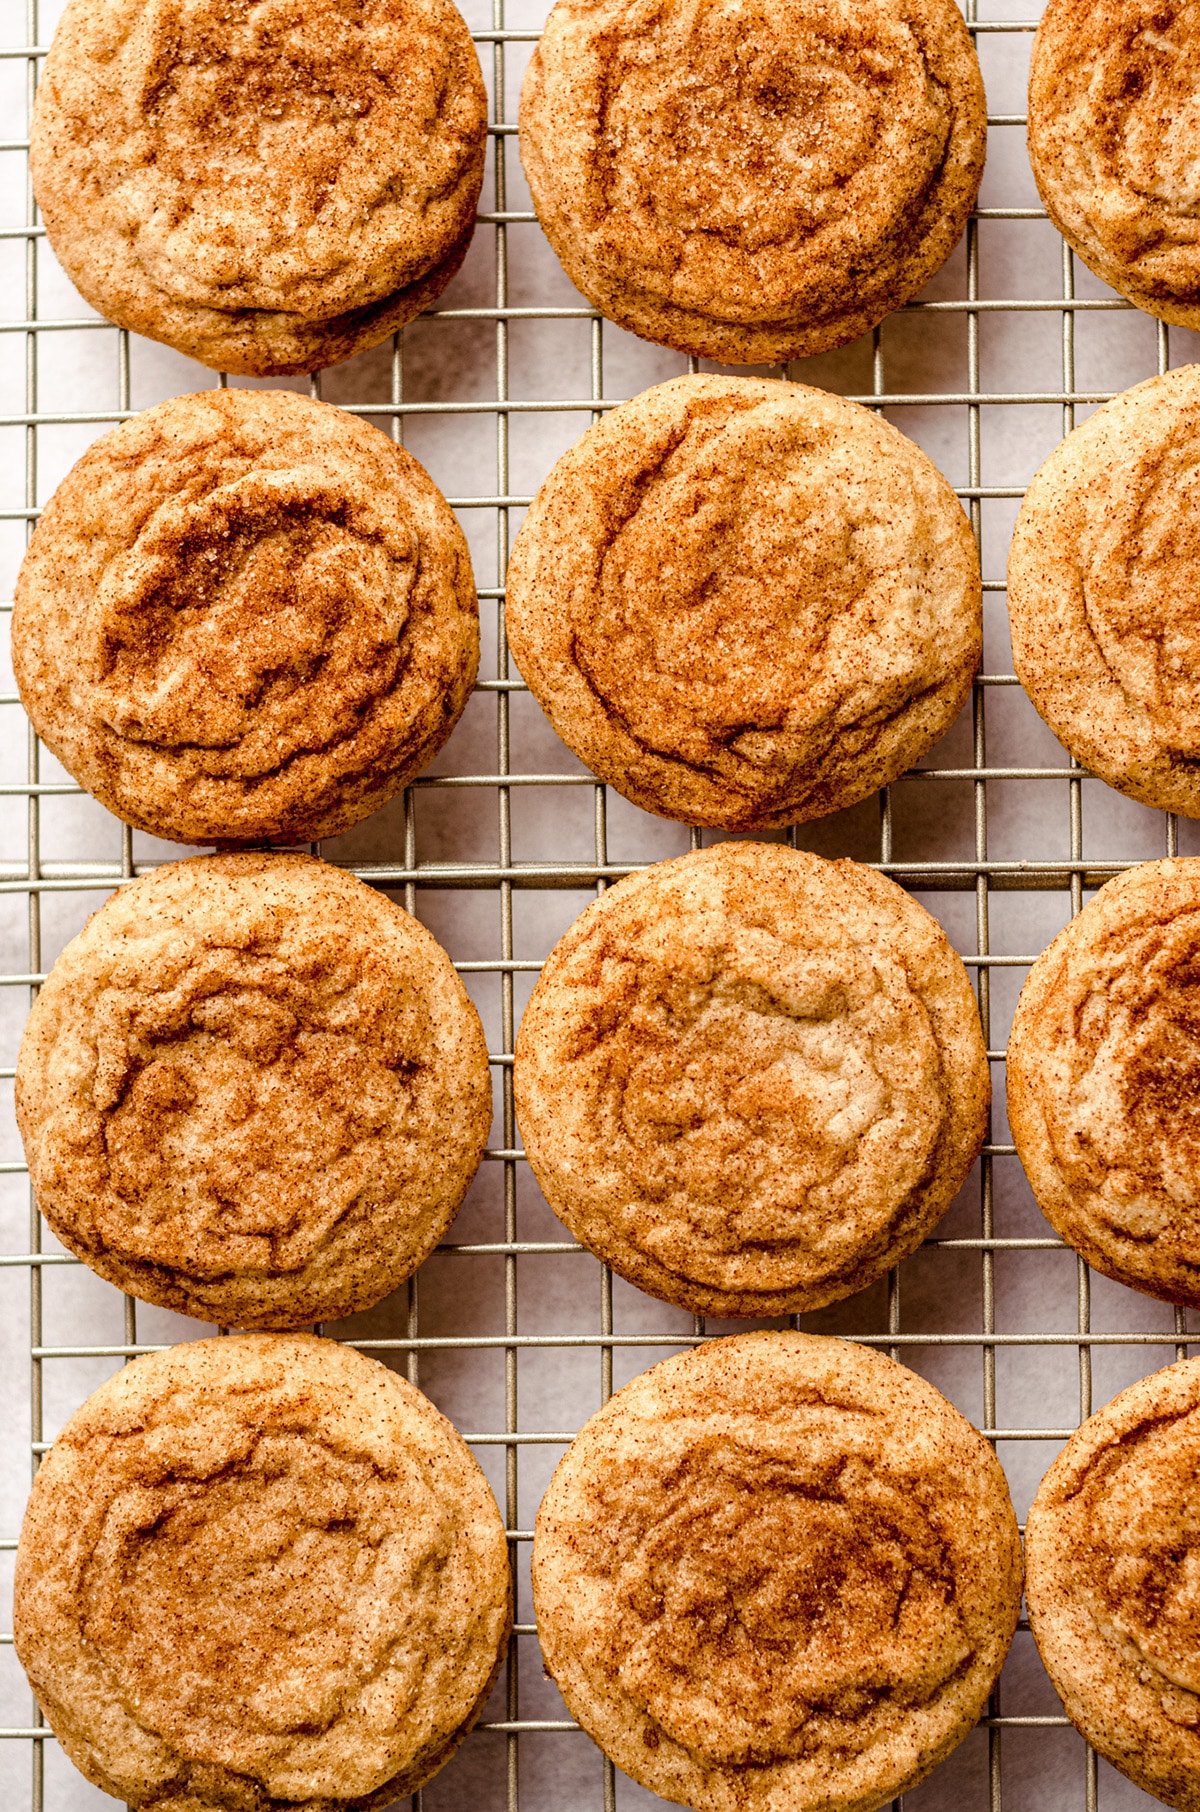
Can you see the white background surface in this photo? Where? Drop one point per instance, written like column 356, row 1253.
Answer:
column 87, row 373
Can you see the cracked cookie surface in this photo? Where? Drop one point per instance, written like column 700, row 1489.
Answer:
column 745, row 603
column 1104, row 1080
column 752, row 182
column 1112, row 1547
column 244, row 616
column 253, row 1090
column 267, row 185
column 777, row 1572
column 1103, row 587
column 310, row 1543
column 752, row 1080
column 1114, row 139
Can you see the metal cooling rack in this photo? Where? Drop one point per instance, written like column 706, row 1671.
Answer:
column 953, row 1310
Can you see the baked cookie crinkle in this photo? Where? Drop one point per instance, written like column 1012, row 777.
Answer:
column 1104, row 1080
column 244, row 616
column 745, row 603
column 1104, row 592
column 1114, row 140
column 751, row 181
column 267, row 185
column 778, row 1573
column 260, row 1573
column 751, row 1080
column 252, row 1090
column 1112, row 1548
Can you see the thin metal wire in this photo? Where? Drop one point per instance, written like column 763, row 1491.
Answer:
column 981, row 875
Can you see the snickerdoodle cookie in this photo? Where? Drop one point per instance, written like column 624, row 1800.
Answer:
column 245, row 615
column 775, row 1574
column 1104, row 592
column 261, row 1574
column 266, row 187
column 753, row 180
column 750, row 1079
column 1104, row 1080
column 1112, row 1546
column 745, row 603
column 1114, row 139
column 252, row 1090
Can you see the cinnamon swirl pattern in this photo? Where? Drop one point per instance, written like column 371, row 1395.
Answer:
column 1103, row 583
column 745, row 603
column 1104, row 1080
column 308, row 1541
column 253, row 1090
column 752, row 1080
column 1112, row 1547
column 245, row 616
column 777, row 1571
column 747, row 181
column 1114, row 139
column 267, row 187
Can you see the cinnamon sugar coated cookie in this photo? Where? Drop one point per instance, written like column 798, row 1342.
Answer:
column 1103, row 583
column 752, row 181
column 1112, row 1546
column 244, row 616
column 778, row 1573
column 267, row 185
column 745, row 603
column 1104, row 1080
column 252, row 1090
column 260, row 1573
column 751, row 1080
column 1114, row 139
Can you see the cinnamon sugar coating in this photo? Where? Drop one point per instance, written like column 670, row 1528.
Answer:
column 752, row 182
column 261, row 1574
column 745, row 603
column 1103, row 583
column 1114, row 139
column 1112, row 1546
column 252, row 1090
column 266, row 185
column 1104, row 1080
column 775, row 1574
column 245, row 615
column 752, row 1080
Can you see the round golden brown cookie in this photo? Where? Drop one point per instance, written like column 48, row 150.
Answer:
column 245, row 615
column 260, row 1573
column 775, row 1574
column 1104, row 1080
column 1114, row 139
column 253, row 1090
column 1103, row 582
column 1112, row 1546
column 266, row 185
column 753, row 180
column 745, row 603
column 751, row 1080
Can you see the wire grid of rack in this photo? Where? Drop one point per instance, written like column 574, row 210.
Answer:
column 1024, row 1753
